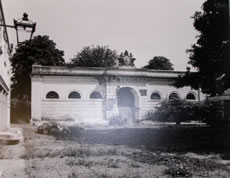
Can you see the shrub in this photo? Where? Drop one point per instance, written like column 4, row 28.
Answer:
column 210, row 112
column 176, row 110
column 54, row 129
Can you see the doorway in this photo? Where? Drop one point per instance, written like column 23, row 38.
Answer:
column 126, row 103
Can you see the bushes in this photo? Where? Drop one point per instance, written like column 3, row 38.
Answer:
column 173, row 111
column 60, row 131
column 176, row 110
column 206, row 111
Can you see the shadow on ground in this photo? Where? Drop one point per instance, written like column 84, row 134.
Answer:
column 169, row 139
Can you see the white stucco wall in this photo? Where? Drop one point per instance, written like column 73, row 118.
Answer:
column 80, row 110
column 87, row 80
column 4, row 83
column 145, row 103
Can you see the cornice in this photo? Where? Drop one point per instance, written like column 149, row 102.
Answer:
column 84, row 71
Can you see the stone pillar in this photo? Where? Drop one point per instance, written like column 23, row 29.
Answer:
column 36, row 98
column 111, row 100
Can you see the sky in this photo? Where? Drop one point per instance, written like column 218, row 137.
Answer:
column 146, row 28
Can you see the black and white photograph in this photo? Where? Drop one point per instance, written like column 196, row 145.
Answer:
column 114, row 88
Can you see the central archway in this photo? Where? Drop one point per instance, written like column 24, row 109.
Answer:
column 127, row 104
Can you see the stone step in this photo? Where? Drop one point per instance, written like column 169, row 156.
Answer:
column 11, row 136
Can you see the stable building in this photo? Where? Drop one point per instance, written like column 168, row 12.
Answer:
column 95, row 95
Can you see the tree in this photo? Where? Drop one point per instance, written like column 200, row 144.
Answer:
column 99, row 56
column 40, row 50
column 211, row 53
column 126, row 59
column 159, row 63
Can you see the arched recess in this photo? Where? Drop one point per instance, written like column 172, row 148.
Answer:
column 128, row 104
column 155, row 96
column 52, row 95
column 74, row 95
column 191, row 96
column 174, row 95
column 95, row 95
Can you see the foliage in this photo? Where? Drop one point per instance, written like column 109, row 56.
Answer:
column 176, row 110
column 210, row 55
column 189, row 78
column 60, row 131
column 159, row 63
column 126, row 59
column 204, row 111
column 54, row 129
column 99, row 56
column 40, row 50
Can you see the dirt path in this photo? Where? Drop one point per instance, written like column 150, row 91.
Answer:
column 13, row 168
column 12, row 163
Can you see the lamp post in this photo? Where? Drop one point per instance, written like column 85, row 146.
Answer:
column 22, row 24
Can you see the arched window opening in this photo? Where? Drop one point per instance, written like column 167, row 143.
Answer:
column 95, row 95
column 173, row 96
column 155, row 96
column 52, row 95
column 190, row 96
column 74, row 95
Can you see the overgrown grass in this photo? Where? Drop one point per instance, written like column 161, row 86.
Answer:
column 105, row 152
column 69, row 151
column 103, row 175
column 80, row 162
column 106, row 175
column 180, row 165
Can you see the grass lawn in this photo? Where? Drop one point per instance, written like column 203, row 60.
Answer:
column 127, row 152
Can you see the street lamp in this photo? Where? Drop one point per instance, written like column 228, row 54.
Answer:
column 23, row 24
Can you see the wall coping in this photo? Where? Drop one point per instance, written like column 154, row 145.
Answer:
column 99, row 71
